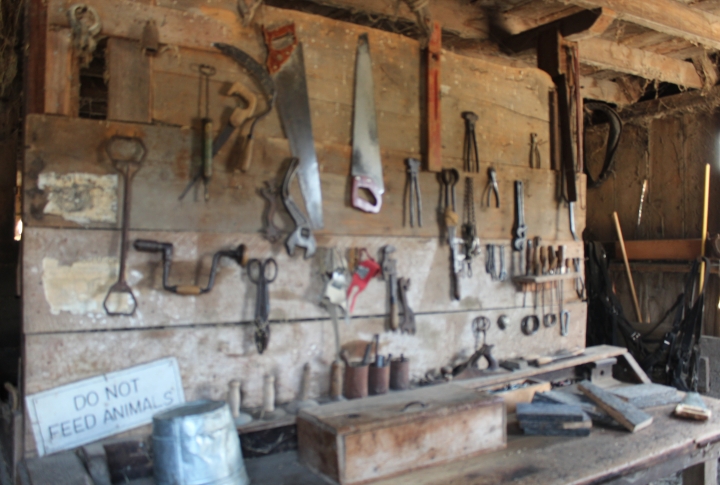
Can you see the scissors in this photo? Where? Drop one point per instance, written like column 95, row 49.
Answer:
column 262, row 273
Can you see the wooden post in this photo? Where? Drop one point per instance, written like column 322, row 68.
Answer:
column 627, row 267
column 434, row 148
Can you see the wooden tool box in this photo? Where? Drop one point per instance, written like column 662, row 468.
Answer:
column 357, row 441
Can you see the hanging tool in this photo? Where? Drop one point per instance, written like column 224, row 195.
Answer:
column 127, row 155
column 267, row 87
column 490, row 261
column 535, row 161
column 366, row 164
column 520, row 229
column 579, row 282
column 468, row 230
column 636, row 305
column 262, row 273
column 492, row 188
column 470, row 147
column 564, row 322
column 389, row 274
column 413, row 190
column 503, row 273
column 434, row 137
column 237, row 254
column 366, row 270
column 530, row 324
column 480, row 326
column 407, row 324
column 450, row 178
column 271, row 193
column 287, row 66
column 302, row 234
column 205, row 172
column 529, row 257
column 571, row 216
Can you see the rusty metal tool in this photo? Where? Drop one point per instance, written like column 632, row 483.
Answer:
column 366, row 164
column 407, row 324
column 287, row 66
column 389, row 273
column 490, row 261
column 267, row 86
column 434, row 51
column 302, row 234
column 262, row 273
column 520, row 229
column 271, row 193
column 502, row 276
column 413, row 190
column 127, row 155
column 530, row 324
column 206, row 168
column 449, row 179
column 469, row 228
column 237, row 254
column 492, row 188
column 470, row 147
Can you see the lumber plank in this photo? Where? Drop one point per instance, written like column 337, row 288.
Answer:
column 662, row 249
column 550, row 413
column 604, row 90
column 128, row 94
column 666, row 16
column 647, row 395
column 606, row 54
column 624, row 413
column 636, row 369
column 62, row 83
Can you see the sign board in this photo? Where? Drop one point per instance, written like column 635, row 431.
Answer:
column 85, row 411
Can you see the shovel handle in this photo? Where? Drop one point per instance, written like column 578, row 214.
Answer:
column 363, row 182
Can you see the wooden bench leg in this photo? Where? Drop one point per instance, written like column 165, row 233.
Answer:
column 704, row 473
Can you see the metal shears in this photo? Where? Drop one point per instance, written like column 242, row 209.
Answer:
column 262, row 273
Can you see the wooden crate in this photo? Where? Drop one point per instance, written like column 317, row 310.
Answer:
column 358, row 441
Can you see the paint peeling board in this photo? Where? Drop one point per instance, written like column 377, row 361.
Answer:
column 623, row 412
column 66, row 275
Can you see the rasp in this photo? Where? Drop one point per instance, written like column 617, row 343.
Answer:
column 366, row 165
column 287, row 67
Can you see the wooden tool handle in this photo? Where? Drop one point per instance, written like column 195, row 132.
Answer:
column 394, row 316
column 247, row 152
column 188, row 290
column 627, row 267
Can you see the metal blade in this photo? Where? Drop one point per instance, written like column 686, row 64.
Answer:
column 366, row 149
column 294, row 108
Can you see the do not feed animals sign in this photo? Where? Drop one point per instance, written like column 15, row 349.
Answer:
column 88, row 410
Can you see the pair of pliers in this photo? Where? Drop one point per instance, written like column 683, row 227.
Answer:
column 492, row 188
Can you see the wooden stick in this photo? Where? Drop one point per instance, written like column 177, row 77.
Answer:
column 703, row 236
column 627, row 267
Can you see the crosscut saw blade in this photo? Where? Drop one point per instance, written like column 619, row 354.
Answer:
column 287, row 66
column 366, row 164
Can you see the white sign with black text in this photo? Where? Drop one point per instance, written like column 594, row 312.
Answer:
column 95, row 408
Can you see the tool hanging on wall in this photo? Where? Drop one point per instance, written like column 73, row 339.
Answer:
column 414, row 200
column 86, row 26
column 519, row 229
column 127, row 155
column 366, row 165
column 271, row 193
column 150, row 40
column 535, row 160
column 492, row 188
column 366, row 270
column 449, row 178
column 267, row 87
column 434, row 128
column 389, row 274
column 287, row 66
column 262, row 273
column 302, row 234
column 470, row 146
column 480, row 326
column 407, row 323
column 237, row 254
column 468, row 230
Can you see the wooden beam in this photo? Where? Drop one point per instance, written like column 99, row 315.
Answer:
column 605, row 54
column 36, row 30
column 62, row 83
column 604, row 90
column 663, row 249
column 579, row 25
column 666, row 16
column 128, row 96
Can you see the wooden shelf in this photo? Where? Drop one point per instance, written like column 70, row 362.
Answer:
column 547, row 278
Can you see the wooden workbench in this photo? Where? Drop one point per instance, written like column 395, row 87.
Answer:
column 606, row 456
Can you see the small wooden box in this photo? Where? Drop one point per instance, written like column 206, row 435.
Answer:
column 357, row 441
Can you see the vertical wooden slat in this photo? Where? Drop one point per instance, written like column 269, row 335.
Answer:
column 35, row 39
column 62, row 83
column 129, row 83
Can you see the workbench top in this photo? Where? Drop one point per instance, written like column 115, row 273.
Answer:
column 606, row 456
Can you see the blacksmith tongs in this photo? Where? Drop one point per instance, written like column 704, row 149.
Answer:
column 413, row 190
column 492, row 188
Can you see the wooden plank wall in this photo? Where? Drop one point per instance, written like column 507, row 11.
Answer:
column 669, row 150
column 71, row 196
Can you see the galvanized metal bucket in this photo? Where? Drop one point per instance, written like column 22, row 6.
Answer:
column 197, row 443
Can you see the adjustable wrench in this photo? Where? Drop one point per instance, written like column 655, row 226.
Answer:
column 407, row 325
column 520, row 228
column 302, row 235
